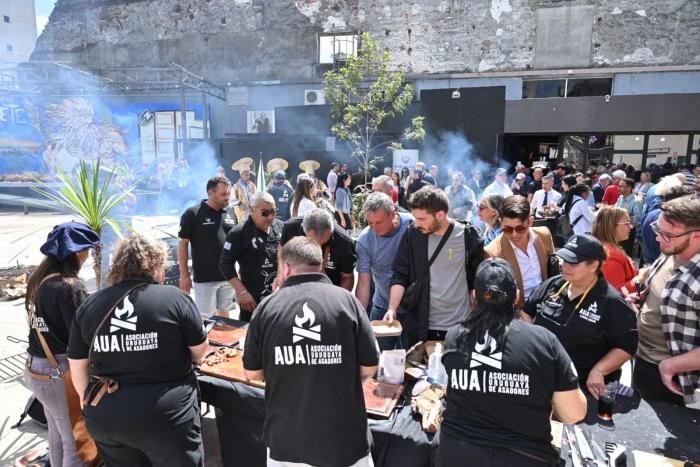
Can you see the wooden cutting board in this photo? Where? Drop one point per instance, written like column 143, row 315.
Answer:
column 226, row 334
column 231, row 370
column 381, row 398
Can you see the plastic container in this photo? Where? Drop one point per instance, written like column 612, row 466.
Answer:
column 436, row 370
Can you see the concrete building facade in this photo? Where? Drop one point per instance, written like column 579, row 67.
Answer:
column 17, row 30
column 581, row 80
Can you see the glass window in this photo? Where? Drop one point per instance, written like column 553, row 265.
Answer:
column 696, row 142
column 573, row 152
column 543, row 88
column 588, row 87
column 628, row 142
column 336, row 47
column 635, row 159
column 668, row 148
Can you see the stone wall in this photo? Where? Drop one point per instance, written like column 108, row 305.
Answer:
column 244, row 40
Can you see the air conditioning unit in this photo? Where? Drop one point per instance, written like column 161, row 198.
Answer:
column 314, row 97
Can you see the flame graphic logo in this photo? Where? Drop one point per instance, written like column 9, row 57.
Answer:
column 124, row 317
column 479, row 357
column 305, row 325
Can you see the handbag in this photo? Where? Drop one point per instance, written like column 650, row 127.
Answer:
column 84, row 444
column 411, row 296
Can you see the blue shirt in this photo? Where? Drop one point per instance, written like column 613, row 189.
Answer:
column 343, row 200
column 375, row 255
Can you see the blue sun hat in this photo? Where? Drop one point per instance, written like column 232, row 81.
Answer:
column 69, row 238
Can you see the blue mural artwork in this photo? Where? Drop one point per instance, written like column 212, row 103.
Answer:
column 37, row 136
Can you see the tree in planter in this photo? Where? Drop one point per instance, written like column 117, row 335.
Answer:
column 91, row 196
column 363, row 94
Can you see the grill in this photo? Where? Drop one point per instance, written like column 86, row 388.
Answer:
column 11, row 367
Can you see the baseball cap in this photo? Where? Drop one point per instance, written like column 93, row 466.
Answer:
column 580, row 248
column 69, row 238
column 495, row 282
column 280, row 175
column 520, row 176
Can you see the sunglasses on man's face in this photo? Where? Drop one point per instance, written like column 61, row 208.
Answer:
column 509, row 230
column 268, row 212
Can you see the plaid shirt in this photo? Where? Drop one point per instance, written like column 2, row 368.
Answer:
column 680, row 316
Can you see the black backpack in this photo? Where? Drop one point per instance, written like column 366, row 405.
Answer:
column 564, row 226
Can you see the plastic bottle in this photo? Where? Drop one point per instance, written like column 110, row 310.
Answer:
column 436, row 370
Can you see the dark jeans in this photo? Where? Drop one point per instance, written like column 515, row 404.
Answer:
column 454, row 452
column 646, row 380
column 177, row 446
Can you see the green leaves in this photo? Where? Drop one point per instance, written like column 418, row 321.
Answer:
column 362, row 95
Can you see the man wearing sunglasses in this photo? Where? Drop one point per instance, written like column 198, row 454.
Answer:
column 667, row 364
column 526, row 247
column 253, row 245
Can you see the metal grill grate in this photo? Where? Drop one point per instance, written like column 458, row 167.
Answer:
column 11, row 367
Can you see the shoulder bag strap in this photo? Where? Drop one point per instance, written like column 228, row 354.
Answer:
column 32, row 319
column 441, row 244
column 108, row 314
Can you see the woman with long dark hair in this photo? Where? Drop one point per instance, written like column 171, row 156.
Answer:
column 398, row 188
column 343, row 201
column 504, row 378
column 304, row 196
column 54, row 293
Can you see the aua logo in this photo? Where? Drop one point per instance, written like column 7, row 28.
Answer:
column 304, row 325
column 124, row 317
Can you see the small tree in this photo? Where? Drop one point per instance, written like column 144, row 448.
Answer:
column 364, row 93
column 90, row 198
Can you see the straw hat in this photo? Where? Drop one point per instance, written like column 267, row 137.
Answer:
column 273, row 165
column 243, row 164
column 309, row 166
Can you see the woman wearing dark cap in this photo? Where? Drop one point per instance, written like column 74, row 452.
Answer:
column 54, row 293
column 131, row 351
column 590, row 318
column 504, row 377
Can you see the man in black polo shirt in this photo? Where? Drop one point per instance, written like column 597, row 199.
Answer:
column 283, row 193
column 318, row 225
column 313, row 345
column 205, row 226
column 253, row 245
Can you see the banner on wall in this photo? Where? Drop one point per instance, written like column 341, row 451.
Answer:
column 37, row 136
column 405, row 158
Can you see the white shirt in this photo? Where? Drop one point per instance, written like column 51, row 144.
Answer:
column 495, row 187
column 305, row 205
column 529, row 264
column 332, row 180
column 553, row 197
column 584, row 210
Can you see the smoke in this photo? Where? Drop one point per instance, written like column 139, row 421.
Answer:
column 452, row 151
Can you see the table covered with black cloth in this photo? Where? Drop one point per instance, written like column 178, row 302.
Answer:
column 240, row 413
column 651, row 426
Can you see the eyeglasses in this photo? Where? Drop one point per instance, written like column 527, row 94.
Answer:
column 268, row 212
column 666, row 236
column 624, row 223
column 506, row 229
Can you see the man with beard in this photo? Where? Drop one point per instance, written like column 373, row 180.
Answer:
column 204, row 226
column 439, row 255
column 667, row 364
column 253, row 245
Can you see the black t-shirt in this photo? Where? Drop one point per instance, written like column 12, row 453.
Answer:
column 144, row 346
column 603, row 322
column 283, row 195
column 534, row 186
column 502, row 397
column 255, row 252
column 206, row 229
column 340, row 249
column 55, row 304
column 310, row 338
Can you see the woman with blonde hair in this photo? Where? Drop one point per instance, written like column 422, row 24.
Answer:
column 612, row 226
column 304, row 196
column 131, row 351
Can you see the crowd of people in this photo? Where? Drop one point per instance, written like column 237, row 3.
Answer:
column 542, row 285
